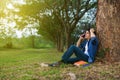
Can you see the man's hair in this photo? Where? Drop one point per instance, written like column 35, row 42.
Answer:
column 89, row 31
column 95, row 32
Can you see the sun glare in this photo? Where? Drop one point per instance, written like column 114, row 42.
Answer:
column 19, row 1
column 10, row 6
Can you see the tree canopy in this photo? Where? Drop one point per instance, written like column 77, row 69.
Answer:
column 55, row 20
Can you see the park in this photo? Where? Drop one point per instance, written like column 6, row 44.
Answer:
column 33, row 32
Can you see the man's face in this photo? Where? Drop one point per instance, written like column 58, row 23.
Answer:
column 87, row 35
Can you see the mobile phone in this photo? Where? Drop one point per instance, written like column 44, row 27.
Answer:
column 83, row 35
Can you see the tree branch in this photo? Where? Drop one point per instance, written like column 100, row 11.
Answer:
column 76, row 19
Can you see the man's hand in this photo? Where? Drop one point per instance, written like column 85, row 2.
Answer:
column 92, row 30
column 79, row 40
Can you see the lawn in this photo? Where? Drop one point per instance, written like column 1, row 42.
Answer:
column 24, row 64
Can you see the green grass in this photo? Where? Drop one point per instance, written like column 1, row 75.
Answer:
column 24, row 64
column 11, row 57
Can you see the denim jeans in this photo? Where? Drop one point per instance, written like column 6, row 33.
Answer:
column 78, row 53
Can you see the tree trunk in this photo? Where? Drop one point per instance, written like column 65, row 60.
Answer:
column 59, row 44
column 68, row 39
column 108, row 28
column 32, row 37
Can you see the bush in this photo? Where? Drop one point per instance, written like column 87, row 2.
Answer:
column 8, row 45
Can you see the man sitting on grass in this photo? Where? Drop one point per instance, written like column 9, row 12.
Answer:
column 85, row 49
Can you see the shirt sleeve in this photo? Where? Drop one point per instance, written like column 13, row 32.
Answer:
column 93, row 46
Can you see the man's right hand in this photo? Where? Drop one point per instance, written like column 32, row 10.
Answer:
column 82, row 36
column 79, row 40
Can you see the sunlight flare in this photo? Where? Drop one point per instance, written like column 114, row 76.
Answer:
column 10, row 6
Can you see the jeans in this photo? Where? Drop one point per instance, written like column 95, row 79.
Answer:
column 78, row 53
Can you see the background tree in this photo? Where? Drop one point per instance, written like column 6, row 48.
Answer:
column 108, row 28
column 51, row 30
column 7, row 23
column 69, row 12
column 13, row 20
column 66, row 13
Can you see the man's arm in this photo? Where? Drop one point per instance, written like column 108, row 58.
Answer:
column 92, row 32
column 79, row 41
column 93, row 45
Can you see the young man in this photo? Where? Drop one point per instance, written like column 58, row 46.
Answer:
column 84, row 50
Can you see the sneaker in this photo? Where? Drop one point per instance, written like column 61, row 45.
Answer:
column 56, row 64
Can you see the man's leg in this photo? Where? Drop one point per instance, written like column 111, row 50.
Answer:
column 72, row 60
column 79, row 55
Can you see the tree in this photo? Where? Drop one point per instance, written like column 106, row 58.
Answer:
column 108, row 28
column 7, row 22
column 69, row 12
column 51, row 30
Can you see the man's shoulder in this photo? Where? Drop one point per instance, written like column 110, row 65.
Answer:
column 94, row 40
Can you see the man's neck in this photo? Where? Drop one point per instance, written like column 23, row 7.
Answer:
column 88, row 39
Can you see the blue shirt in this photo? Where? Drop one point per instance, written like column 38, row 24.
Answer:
column 92, row 48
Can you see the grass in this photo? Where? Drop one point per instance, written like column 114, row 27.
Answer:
column 24, row 64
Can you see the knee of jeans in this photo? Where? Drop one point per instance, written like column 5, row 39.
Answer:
column 72, row 46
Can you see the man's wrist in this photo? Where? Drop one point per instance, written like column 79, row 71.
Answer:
column 92, row 34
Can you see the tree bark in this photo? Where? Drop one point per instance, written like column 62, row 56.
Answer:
column 68, row 39
column 33, row 41
column 108, row 28
column 59, row 42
